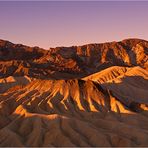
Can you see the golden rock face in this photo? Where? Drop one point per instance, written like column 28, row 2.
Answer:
column 94, row 95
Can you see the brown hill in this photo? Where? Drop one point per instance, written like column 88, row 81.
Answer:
column 92, row 95
column 19, row 60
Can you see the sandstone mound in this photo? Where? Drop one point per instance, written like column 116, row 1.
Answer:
column 127, row 84
column 108, row 74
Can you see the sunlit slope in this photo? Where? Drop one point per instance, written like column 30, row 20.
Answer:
column 127, row 84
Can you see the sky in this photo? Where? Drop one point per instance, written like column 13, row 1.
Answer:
column 65, row 23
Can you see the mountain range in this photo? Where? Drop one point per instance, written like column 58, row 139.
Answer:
column 90, row 95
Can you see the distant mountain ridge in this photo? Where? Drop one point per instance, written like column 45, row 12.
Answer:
column 78, row 60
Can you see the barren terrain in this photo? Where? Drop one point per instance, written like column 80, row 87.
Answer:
column 91, row 95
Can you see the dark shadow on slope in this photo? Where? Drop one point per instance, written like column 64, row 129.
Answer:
column 131, row 91
column 18, row 81
column 131, row 54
